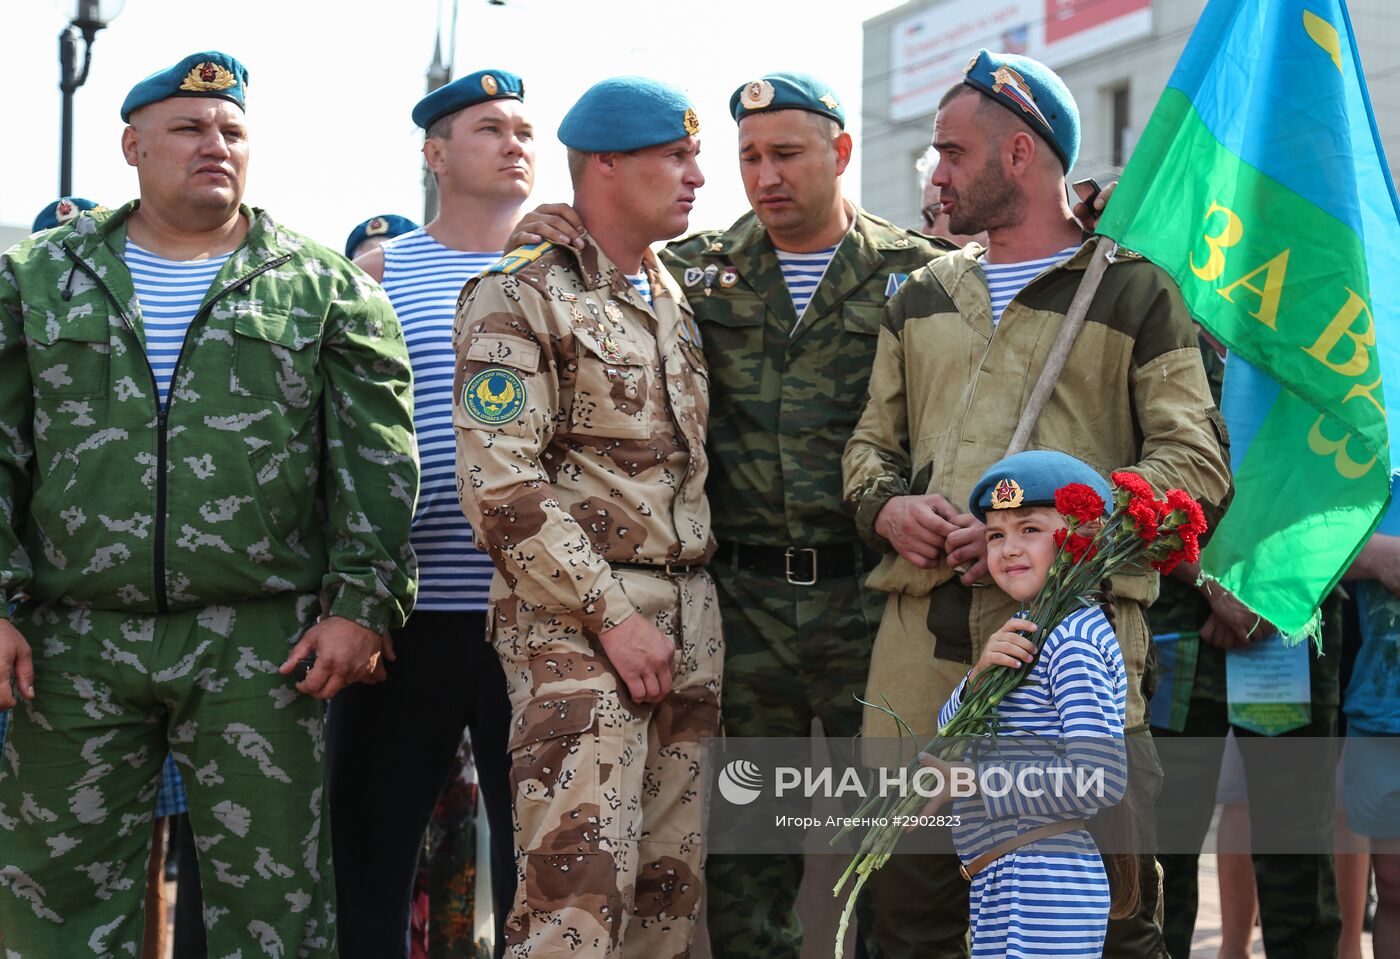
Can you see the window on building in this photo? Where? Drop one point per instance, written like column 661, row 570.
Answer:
column 1121, row 131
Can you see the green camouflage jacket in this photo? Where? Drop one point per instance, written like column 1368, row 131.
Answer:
column 782, row 406
column 284, row 461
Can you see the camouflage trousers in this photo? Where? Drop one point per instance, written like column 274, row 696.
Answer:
column 921, row 901
column 609, row 797
column 792, row 653
column 113, row 693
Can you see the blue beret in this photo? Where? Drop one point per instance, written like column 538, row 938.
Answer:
column 1030, row 479
column 61, row 211
column 388, row 226
column 621, row 114
column 467, row 91
column 786, row 91
column 1035, row 93
column 207, row 74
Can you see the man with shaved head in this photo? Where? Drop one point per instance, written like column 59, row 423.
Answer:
column 207, row 475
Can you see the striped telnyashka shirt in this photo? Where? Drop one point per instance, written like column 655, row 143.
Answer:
column 641, row 284
column 803, row 272
column 423, row 279
column 1061, row 756
column 1005, row 280
column 170, row 293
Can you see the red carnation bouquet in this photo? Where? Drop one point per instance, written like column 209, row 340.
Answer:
column 1141, row 530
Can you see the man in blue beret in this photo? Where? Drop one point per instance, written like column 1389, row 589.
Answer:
column 61, row 212
column 392, row 747
column 170, row 801
column 375, row 232
column 581, row 411
column 1006, row 138
column 788, row 300
column 207, row 475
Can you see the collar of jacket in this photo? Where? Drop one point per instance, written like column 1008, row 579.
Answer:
column 859, row 254
column 747, row 234
column 105, row 234
column 966, row 260
column 598, row 271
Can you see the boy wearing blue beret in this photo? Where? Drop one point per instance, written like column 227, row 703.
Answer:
column 1038, row 884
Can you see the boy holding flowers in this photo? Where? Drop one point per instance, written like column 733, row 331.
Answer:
column 1051, row 687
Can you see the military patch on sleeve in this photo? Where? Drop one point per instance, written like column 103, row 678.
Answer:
column 494, row 396
column 893, row 284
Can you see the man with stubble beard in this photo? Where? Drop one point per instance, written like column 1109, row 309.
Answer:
column 1133, row 395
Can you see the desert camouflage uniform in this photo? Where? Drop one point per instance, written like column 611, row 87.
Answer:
column 170, row 558
column 946, row 394
column 581, row 428
column 784, row 403
column 1298, row 909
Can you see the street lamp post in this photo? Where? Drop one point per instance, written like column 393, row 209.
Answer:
column 85, row 18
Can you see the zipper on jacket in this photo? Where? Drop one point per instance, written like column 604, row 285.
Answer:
column 163, row 409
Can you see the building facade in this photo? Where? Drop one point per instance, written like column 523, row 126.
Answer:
column 1115, row 56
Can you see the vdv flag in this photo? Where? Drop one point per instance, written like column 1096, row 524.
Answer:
column 1260, row 185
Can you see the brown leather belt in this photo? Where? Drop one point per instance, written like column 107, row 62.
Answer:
column 1016, row 842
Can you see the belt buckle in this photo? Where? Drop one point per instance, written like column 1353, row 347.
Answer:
column 676, row 570
column 963, row 869
column 787, row 565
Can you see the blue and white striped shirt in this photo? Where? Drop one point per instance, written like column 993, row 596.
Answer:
column 803, row 272
column 170, row 293
column 1062, row 727
column 642, row 284
column 1005, row 280
column 423, row 279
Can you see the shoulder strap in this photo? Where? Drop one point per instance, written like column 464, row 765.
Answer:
column 517, row 258
column 1103, row 253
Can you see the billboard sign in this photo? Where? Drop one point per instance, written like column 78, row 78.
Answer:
column 930, row 49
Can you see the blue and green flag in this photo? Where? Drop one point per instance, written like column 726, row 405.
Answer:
column 1260, row 185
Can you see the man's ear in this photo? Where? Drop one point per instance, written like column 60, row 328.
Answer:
column 131, row 145
column 843, row 147
column 1021, row 151
column 605, row 163
column 434, row 154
